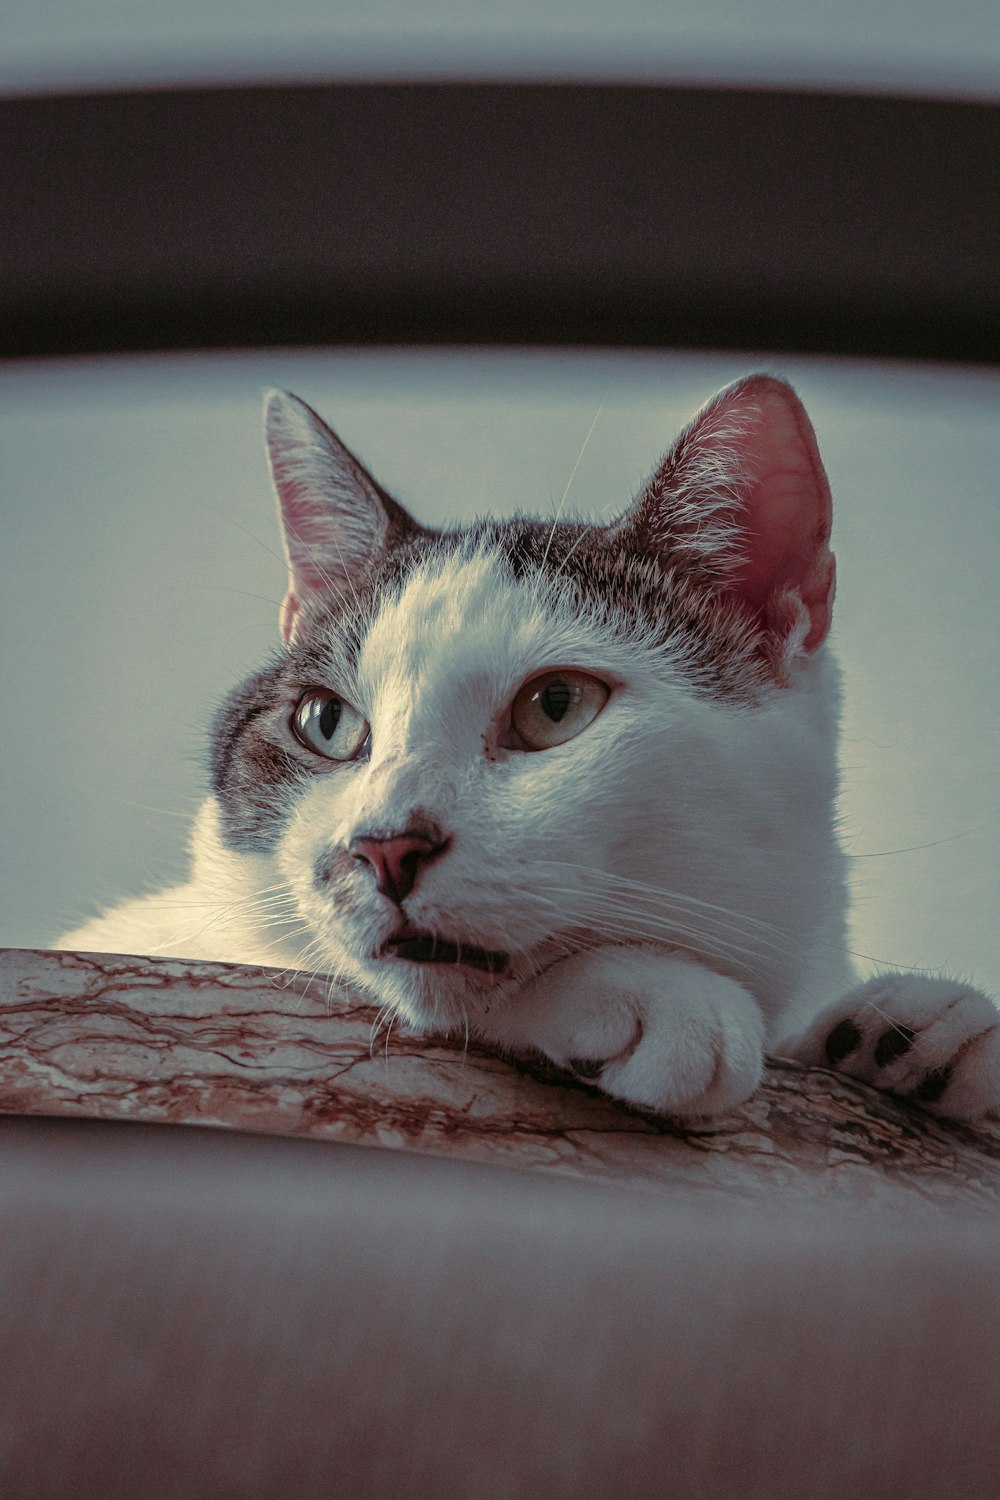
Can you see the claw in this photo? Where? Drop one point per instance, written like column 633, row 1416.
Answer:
column 586, row 1067
column 931, row 1086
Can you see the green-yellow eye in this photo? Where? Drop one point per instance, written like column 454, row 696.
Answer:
column 328, row 725
column 554, row 708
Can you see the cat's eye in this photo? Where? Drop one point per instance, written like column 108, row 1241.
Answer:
column 328, row 725
column 553, row 708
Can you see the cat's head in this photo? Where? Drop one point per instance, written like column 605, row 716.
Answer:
column 480, row 749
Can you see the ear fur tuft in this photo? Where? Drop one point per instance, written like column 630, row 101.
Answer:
column 742, row 499
column 335, row 518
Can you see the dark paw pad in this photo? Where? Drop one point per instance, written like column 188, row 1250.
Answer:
column 586, row 1067
column 931, row 1086
column 892, row 1044
column 841, row 1042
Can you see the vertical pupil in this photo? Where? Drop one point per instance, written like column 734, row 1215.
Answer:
column 556, row 698
column 329, row 717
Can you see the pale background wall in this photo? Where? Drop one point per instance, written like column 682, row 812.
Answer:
column 141, row 578
column 922, row 44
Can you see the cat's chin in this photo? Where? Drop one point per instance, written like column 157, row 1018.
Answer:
column 431, row 996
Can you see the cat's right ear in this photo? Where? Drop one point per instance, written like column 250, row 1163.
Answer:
column 335, row 518
column 742, row 500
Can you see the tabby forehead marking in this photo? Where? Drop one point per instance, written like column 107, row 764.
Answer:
column 466, row 632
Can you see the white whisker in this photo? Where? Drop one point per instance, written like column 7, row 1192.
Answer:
column 569, row 482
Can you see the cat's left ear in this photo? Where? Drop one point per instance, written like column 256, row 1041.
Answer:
column 743, row 500
column 335, row 518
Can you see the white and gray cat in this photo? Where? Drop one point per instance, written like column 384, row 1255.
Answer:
column 566, row 787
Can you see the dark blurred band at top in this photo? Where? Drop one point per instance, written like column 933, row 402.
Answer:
column 500, row 214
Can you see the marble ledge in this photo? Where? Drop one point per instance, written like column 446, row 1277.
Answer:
column 114, row 1037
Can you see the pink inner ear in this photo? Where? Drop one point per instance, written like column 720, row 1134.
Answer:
column 286, row 619
column 787, row 509
column 314, row 543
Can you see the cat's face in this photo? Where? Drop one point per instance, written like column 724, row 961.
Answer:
column 481, row 750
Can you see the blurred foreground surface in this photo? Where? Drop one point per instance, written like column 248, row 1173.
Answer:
column 803, row 1301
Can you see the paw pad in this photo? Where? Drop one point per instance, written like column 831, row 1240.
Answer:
column 842, row 1041
column 933, row 1042
column 892, row 1044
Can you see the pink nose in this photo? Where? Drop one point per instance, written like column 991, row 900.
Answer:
column 396, row 860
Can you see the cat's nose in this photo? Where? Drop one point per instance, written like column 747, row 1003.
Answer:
column 397, row 859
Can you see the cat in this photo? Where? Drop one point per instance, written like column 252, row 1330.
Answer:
column 567, row 787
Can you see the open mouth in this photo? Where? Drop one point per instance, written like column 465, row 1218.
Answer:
column 429, row 948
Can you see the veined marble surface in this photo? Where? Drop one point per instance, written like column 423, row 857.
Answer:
column 160, row 1040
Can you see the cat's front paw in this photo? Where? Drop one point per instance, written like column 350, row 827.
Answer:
column 651, row 1029
column 933, row 1041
